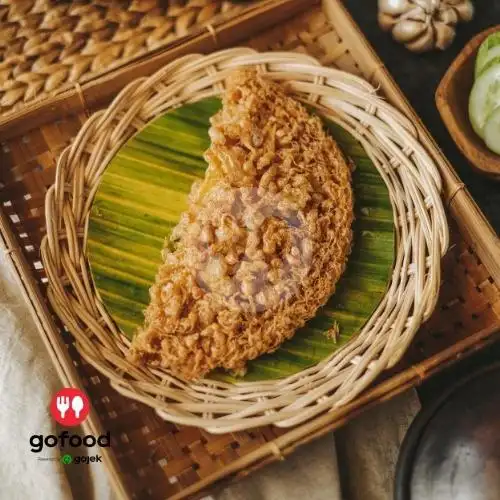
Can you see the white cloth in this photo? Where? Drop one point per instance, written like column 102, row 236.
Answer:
column 27, row 382
column 366, row 450
column 369, row 446
column 310, row 473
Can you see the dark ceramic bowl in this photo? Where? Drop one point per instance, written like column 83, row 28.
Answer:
column 452, row 449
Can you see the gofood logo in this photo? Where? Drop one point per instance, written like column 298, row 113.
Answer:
column 70, row 407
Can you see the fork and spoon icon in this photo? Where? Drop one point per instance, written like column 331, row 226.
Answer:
column 63, row 405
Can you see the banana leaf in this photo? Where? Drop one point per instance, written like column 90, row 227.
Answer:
column 142, row 195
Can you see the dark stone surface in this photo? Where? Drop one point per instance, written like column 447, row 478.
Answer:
column 419, row 76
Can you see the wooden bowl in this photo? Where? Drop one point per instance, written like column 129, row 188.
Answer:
column 452, row 99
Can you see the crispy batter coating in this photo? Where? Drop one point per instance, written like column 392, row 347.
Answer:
column 263, row 243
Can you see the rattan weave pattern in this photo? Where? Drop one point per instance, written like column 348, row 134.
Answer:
column 161, row 460
column 47, row 46
column 422, row 238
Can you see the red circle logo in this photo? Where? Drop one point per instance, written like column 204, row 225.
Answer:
column 70, row 406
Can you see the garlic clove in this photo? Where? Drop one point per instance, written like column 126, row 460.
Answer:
column 444, row 35
column 424, row 24
column 423, row 43
column 447, row 15
column 393, row 7
column 405, row 31
column 386, row 22
column 417, row 14
column 465, row 10
column 429, row 6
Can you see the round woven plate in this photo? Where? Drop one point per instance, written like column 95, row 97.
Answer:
column 391, row 142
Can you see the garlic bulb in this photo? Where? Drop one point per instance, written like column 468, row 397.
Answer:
column 423, row 25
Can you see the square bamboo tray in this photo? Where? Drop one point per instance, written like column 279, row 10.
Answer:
column 50, row 47
column 151, row 458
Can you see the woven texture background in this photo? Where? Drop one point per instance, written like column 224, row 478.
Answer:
column 158, row 459
column 46, row 46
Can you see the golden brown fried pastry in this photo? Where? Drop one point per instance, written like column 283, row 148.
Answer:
column 263, row 243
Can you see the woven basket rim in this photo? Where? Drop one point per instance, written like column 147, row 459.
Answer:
column 410, row 174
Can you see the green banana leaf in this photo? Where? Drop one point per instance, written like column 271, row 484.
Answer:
column 142, row 194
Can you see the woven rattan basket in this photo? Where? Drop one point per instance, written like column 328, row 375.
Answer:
column 151, row 458
column 49, row 46
column 421, row 229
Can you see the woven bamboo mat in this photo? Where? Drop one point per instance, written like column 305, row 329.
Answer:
column 158, row 459
column 48, row 46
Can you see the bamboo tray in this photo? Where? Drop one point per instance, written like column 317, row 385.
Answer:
column 150, row 458
column 49, row 47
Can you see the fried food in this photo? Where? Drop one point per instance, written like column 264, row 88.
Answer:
column 263, row 243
